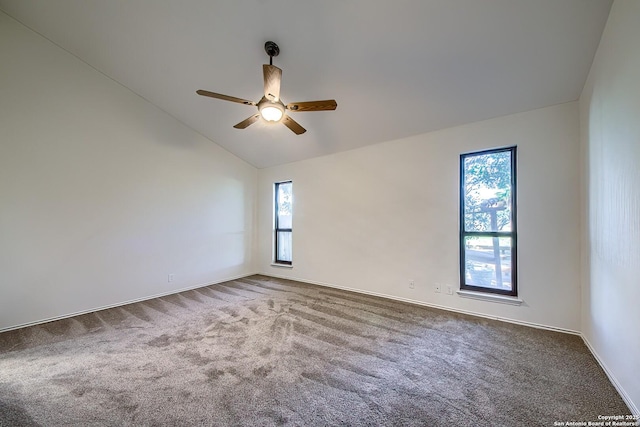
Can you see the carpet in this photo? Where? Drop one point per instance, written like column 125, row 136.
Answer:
column 261, row 351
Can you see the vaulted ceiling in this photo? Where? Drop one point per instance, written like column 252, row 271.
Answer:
column 396, row 68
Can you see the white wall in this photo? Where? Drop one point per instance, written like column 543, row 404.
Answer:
column 102, row 195
column 610, row 124
column 376, row 217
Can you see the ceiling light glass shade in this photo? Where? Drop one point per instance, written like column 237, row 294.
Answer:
column 271, row 113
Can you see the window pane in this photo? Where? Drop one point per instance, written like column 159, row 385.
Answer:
column 285, row 199
column 484, row 256
column 284, row 246
column 283, row 223
column 487, row 192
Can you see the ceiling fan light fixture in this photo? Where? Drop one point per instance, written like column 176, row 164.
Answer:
column 271, row 112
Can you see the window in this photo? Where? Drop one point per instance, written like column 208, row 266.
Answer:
column 283, row 216
column 488, row 221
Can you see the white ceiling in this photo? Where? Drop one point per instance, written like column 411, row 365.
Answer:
column 396, row 68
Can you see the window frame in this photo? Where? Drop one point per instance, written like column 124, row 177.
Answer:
column 513, row 234
column 277, row 229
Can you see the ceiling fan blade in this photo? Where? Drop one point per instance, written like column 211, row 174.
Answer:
column 293, row 125
column 329, row 104
column 224, row 97
column 248, row 121
column 272, row 78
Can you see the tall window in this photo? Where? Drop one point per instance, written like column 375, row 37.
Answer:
column 283, row 215
column 488, row 221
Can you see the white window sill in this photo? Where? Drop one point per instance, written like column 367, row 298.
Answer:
column 275, row 264
column 490, row 297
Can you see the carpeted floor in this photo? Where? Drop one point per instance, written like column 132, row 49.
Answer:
column 261, row 351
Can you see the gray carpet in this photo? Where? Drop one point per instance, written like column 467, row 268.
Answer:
column 262, row 351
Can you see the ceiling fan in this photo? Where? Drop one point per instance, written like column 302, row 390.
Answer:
column 270, row 107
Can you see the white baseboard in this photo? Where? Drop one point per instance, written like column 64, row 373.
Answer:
column 427, row 304
column 120, row 304
column 612, row 378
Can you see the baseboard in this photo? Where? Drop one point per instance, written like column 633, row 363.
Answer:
column 120, row 304
column 612, row 378
column 427, row 304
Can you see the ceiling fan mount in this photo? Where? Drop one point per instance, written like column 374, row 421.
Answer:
column 272, row 50
column 270, row 106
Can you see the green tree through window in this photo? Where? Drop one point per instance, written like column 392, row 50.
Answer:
column 487, row 221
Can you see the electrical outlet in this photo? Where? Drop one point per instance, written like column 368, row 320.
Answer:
column 170, row 278
column 412, row 284
column 437, row 288
column 449, row 290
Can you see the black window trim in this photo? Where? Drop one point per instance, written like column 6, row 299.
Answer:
column 513, row 234
column 277, row 229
